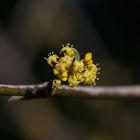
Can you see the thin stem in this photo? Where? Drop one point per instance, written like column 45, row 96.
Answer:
column 45, row 90
column 12, row 90
column 107, row 92
column 28, row 91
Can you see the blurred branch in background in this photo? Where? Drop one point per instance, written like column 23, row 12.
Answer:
column 45, row 90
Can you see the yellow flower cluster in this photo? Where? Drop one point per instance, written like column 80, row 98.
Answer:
column 70, row 69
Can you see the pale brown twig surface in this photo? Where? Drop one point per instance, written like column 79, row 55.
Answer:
column 45, row 90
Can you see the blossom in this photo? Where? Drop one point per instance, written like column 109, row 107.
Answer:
column 88, row 58
column 66, row 60
column 78, row 66
column 73, row 81
column 56, row 84
column 52, row 59
column 67, row 50
column 70, row 69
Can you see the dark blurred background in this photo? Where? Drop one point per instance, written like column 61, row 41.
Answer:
column 29, row 30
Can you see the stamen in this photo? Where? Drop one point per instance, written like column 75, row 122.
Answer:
column 97, row 64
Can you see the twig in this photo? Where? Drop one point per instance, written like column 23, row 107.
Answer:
column 107, row 92
column 45, row 90
column 27, row 91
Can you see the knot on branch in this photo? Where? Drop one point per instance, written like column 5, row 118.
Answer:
column 39, row 91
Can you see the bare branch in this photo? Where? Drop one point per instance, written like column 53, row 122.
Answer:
column 107, row 92
column 45, row 90
column 27, row 91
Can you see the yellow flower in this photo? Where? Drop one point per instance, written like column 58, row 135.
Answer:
column 88, row 58
column 73, row 81
column 89, row 81
column 71, row 69
column 67, row 60
column 93, row 68
column 89, row 77
column 56, row 84
column 56, row 72
column 60, row 67
column 64, row 76
column 67, row 50
column 60, row 71
column 78, row 66
column 79, row 76
column 52, row 59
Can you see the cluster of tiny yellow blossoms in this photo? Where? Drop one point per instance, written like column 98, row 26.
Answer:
column 70, row 69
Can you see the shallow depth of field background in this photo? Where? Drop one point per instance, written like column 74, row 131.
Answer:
column 30, row 29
